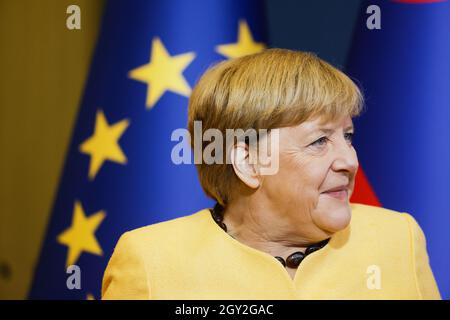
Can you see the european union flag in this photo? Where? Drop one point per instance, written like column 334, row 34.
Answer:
column 403, row 140
column 119, row 174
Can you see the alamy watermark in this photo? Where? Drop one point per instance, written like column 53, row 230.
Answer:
column 373, row 22
column 209, row 147
column 373, row 281
column 74, row 279
column 73, row 21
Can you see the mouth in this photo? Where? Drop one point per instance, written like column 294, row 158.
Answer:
column 340, row 192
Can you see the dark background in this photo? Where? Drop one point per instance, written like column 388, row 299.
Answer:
column 321, row 26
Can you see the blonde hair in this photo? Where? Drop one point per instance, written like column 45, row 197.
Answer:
column 271, row 89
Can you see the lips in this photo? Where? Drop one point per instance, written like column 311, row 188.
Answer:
column 339, row 192
column 338, row 188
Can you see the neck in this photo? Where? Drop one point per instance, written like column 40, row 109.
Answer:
column 259, row 227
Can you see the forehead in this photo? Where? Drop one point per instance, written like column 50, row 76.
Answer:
column 320, row 123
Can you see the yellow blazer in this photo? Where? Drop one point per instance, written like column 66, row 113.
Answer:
column 380, row 255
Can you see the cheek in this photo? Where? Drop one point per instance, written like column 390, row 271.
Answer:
column 310, row 172
column 303, row 178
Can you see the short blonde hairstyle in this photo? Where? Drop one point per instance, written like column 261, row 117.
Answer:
column 272, row 89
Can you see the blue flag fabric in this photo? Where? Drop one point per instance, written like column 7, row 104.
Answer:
column 403, row 138
column 119, row 174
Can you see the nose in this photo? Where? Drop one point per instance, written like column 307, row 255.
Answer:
column 345, row 158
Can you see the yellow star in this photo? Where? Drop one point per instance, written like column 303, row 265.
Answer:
column 90, row 296
column 245, row 45
column 103, row 144
column 163, row 72
column 80, row 236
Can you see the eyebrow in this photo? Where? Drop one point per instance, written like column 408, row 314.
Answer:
column 328, row 131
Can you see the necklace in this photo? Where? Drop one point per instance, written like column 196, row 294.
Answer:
column 292, row 261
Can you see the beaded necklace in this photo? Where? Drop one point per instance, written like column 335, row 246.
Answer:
column 292, row 261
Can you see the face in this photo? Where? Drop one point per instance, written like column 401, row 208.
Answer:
column 314, row 157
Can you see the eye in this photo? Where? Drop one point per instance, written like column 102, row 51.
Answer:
column 319, row 142
column 349, row 137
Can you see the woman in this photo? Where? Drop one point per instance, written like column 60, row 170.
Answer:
column 291, row 234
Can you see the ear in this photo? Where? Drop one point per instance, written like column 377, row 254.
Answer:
column 245, row 169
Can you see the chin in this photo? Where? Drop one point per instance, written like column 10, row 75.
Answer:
column 333, row 220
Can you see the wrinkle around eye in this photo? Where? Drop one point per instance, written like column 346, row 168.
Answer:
column 321, row 142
